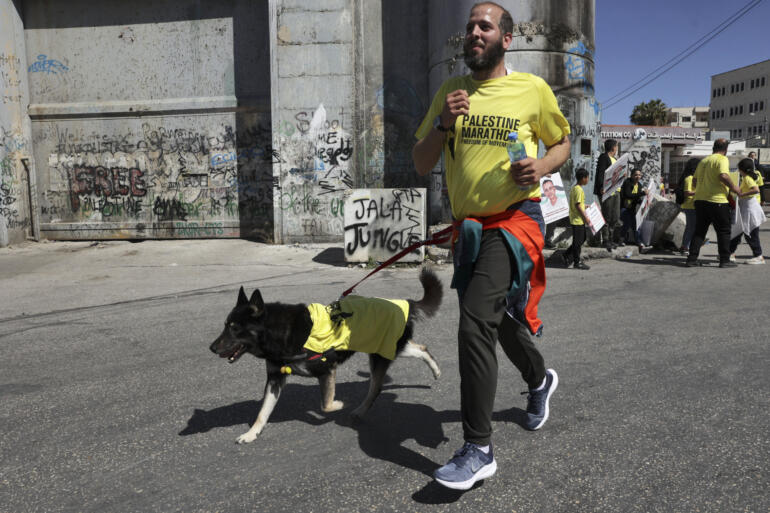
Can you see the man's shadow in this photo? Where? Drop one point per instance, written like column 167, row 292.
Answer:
column 381, row 433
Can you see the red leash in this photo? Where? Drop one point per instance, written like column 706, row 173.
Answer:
column 438, row 238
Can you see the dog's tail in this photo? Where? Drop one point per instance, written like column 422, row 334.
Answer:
column 433, row 292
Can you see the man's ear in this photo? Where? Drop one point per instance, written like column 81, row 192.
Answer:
column 256, row 301
column 242, row 299
column 507, row 39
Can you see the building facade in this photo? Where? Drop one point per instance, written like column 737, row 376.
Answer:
column 740, row 103
column 666, row 143
column 689, row 117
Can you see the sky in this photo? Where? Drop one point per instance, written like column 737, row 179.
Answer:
column 633, row 38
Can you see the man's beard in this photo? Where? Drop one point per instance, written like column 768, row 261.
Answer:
column 487, row 59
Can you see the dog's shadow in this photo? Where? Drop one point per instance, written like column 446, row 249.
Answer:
column 381, row 433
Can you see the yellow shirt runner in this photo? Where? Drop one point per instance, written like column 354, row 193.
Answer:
column 477, row 165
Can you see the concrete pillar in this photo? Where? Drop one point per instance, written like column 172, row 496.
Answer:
column 18, row 213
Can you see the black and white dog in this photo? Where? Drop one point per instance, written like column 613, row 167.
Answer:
column 277, row 333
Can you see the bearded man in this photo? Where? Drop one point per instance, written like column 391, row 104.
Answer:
column 499, row 265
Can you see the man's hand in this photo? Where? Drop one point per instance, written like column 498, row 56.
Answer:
column 529, row 171
column 456, row 104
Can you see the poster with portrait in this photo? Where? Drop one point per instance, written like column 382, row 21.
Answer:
column 644, row 207
column 554, row 202
column 614, row 176
column 594, row 212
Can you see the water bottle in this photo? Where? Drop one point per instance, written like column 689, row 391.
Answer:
column 516, row 152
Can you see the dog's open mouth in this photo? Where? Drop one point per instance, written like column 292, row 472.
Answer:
column 236, row 353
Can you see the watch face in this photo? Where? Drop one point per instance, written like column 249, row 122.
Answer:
column 437, row 124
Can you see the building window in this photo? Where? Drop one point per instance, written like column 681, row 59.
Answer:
column 752, row 83
column 686, row 119
column 763, row 81
column 762, row 105
column 751, row 107
column 731, row 111
column 723, row 91
column 732, row 88
column 742, row 86
column 741, row 109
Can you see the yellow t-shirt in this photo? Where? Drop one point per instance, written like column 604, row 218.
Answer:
column 748, row 183
column 576, row 197
column 760, row 180
column 689, row 202
column 365, row 324
column 629, row 203
column 477, row 166
column 708, row 186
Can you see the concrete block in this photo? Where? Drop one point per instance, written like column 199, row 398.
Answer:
column 662, row 213
column 301, row 28
column 675, row 230
column 310, row 7
column 334, row 92
column 315, row 60
column 379, row 223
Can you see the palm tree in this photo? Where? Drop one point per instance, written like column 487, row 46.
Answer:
column 654, row 113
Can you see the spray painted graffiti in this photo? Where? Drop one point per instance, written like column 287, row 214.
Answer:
column 9, row 71
column 381, row 222
column 645, row 155
column 46, row 65
column 316, row 153
column 160, row 176
column 100, row 181
column 578, row 63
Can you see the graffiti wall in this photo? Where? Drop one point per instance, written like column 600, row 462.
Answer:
column 185, row 177
column 379, row 223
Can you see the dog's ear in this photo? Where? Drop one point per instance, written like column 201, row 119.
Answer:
column 256, row 301
column 242, row 299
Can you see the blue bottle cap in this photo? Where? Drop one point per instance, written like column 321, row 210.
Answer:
column 513, row 136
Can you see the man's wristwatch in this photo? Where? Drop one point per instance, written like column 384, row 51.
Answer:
column 439, row 126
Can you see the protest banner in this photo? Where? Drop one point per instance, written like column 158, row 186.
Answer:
column 614, row 176
column 644, row 208
column 594, row 213
column 554, row 201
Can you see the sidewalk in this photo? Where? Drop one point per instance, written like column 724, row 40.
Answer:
column 35, row 275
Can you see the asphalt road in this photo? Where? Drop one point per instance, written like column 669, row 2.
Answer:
column 111, row 400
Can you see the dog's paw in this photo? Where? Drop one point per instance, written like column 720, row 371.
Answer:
column 334, row 406
column 246, row 438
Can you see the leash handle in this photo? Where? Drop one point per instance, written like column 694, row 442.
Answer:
column 438, row 238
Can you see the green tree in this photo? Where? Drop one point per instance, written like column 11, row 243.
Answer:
column 652, row 113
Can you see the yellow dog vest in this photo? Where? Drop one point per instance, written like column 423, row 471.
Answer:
column 355, row 323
